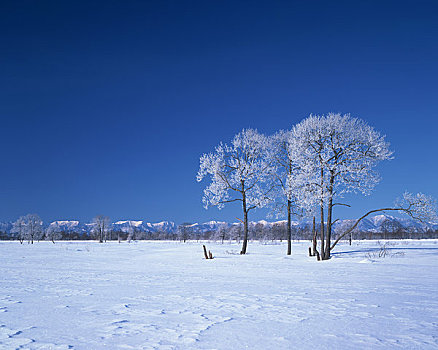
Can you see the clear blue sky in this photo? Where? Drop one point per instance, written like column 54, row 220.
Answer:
column 106, row 106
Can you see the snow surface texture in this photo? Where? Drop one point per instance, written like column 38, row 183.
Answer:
column 164, row 295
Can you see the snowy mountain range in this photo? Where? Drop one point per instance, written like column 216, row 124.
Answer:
column 375, row 224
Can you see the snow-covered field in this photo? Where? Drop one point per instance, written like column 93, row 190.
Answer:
column 164, row 295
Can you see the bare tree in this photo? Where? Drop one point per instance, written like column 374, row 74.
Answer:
column 221, row 233
column 184, row 231
column 101, row 226
column 238, row 173
column 236, row 232
column 132, row 231
column 280, row 231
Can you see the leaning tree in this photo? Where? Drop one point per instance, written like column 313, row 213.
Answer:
column 420, row 207
column 238, row 173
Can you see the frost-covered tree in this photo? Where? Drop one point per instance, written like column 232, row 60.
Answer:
column 101, row 227
column 34, row 227
column 131, row 230
column 238, row 173
column 19, row 228
column 283, row 179
column 336, row 154
column 184, row 231
column 29, row 227
column 236, row 232
column 53, row 232
column 221, row 233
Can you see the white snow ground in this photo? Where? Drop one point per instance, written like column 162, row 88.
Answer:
column 164, row 295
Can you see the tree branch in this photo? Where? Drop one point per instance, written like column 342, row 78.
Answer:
column 346, row 205
column 405, row 210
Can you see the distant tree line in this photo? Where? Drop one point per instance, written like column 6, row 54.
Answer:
column 29, row 228
column 279, row 232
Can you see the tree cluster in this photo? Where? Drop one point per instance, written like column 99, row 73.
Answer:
column 306, row 170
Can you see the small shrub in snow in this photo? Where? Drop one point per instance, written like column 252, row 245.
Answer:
column 384, row 251
column 232, row 252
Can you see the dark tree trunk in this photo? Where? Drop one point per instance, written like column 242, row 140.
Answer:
column 322, row 214
column 289, row 228
column 326, row 254
column 322, row 232
column 315, row 237
column 245, row 222
column 245, row 230
column 205, row 252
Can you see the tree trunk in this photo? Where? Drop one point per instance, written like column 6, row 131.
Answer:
column 315, row 237
column 245, row 225
column 245, row 232
column 205, row 251
column 326, row 255
column 322, row 214
column 322, row 232
column 329, row 232
column 289, row 228
column 317, row 256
